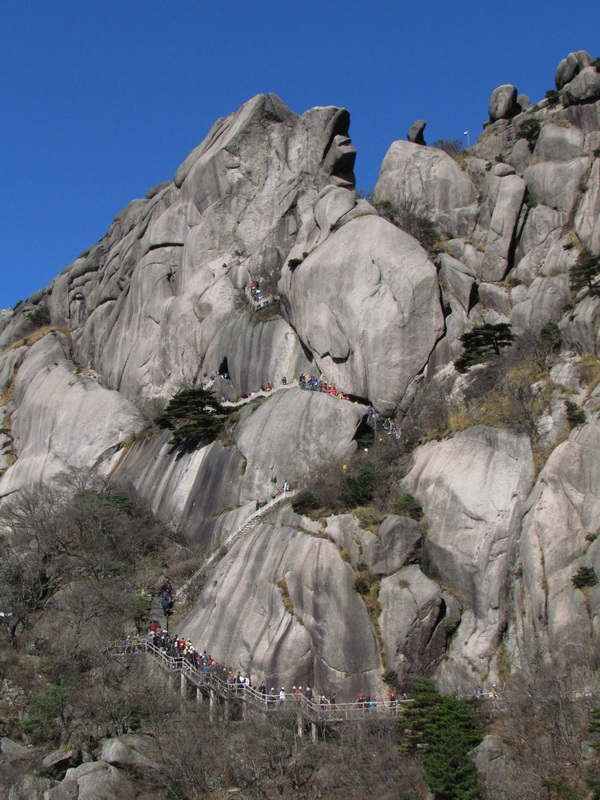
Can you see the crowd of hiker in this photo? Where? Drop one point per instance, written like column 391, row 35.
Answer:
column 255, row 293
column 182, row 648
column 313, row 384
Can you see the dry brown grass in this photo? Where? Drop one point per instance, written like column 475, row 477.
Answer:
column 6, row 395
column 589, row 371
column 36, row 335
column 369, row 518
column 517, row 403
column 288, row 603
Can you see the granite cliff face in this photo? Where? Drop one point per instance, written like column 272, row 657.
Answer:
column 162, row 302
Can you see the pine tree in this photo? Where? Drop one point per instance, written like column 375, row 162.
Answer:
column 482, row 343
column 195, row 418
column 584, row 270
column 443, row 731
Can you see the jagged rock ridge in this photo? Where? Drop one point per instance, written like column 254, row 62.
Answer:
column 159, row 303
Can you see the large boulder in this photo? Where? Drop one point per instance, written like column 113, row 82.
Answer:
column 295, row 432
column 584, row 88
column 415, row 622
column 570, row 67
column 397, row 540
column 503, row 103
column 556, row 184
column 507, row 192
column 415, row 132
column 544, row 301
column 559, row 143
column 92, row 781
column 132, row 750
column 59, row 761
column 366, row 303
column 427, row 178
column 472, row 489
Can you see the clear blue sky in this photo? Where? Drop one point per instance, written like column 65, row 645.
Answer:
column 102, row 99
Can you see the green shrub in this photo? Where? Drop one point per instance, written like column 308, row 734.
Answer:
column 304, row 502
column 407, row 506
column 39, row 317
column 575, row 415
column 46, row 712
column 390, row 677
column 552, row 96
column 358, row 488
column 550, row 333
column 530, row 130
column 293, row 263
column 530, row 200
column 449, row 626
column 585, row 576
column 411, row 218
column 583, row 187
column 361, row 584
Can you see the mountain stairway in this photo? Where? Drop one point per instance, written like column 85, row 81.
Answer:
column 250, row 523
column 231, row 698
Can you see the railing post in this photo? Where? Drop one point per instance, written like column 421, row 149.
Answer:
column 313, row 731
column 212, row 712
column 300, row 725
column 182, row 685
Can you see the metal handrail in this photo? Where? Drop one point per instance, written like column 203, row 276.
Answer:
column 266, row 703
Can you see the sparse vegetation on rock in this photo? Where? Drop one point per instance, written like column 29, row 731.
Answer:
column 489, row 593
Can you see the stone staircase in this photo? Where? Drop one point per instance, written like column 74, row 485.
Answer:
column 250, row 523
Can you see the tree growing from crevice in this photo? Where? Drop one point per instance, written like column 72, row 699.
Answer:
column 585, row 271
column 482, row 343
column 195, row 417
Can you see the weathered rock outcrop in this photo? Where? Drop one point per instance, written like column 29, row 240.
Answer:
column 365, row 302
column 427, row 181
column 282, row 604
column 558, row 537
column 90, row 781
column 291, row 433
column 131, row 750
column 503, row 103
column 63, row 418
column 570, row 67
column 473, row 489
column 162, row 302
column 416, row 620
